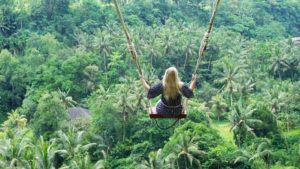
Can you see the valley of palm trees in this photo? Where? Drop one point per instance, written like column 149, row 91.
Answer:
column 71, row 96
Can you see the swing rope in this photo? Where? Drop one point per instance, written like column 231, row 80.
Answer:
column 130, row 45
column 129, row 41
column 204, row 42
column 205, row 37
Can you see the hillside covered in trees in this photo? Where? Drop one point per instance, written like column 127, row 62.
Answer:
column 71, row 98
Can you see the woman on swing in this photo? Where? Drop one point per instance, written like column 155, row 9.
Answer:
column 171, row 90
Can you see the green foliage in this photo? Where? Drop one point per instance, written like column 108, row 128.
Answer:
column 270, row 31
column 220, row 156
column 106, row 121
column 50, row 113
column 57, row 54
column 207, row 137
column 269, row 127
column 11, row 82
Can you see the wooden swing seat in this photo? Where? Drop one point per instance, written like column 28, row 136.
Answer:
column 153, row 115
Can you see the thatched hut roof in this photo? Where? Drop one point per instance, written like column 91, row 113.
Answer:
column 78, row 112
column 296, row 39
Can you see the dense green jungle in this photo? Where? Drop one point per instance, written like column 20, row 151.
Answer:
column 71, row 96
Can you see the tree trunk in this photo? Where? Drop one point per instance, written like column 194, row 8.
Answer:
column 185, row 162
column 209, row 63
column 105, row 63
column 287, row 122
column 185, row 60
column 124, row 124
column 151, row 60
column 266, row 159
column 230, row 97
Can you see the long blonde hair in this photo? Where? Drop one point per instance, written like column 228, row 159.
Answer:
column 171, row 83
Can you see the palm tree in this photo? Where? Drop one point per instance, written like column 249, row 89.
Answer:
column 243, row 157
column 285, row 60
column 218, row 105
column 13, row 150
column 81, row 161
column 15, row 121
column 156, row 161
column 262, row 151
column 66, row 99
column 15, row 144
column 229, row 78
column 279, row 63
column 84, row 41
column 131, row 100
column 90, row 72
column 151, row 48
column 277, row 101
column 100, row 95
column 100, row 164
column 189, row 51
column 125, row 105
column 299, row 154
column 293, row 67
column 45, row 154
column 285, row 118
column 241, row 121
column 202, row 108
column 186, row 150
column 73, row 143
column 102, row 43
column 167, row 41
column 245, row 89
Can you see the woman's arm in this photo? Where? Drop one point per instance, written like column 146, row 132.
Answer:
column 145, row 84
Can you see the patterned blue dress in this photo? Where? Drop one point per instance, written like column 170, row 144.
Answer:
column 171, row 106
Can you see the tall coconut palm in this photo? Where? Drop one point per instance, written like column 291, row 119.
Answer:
column 189, row 51
column 81, row 161
column 167, row 41
column 73, row 143
column 125, row 105
column 218, row 105
column 15, row 143
column 276, row 100
column 13, row 151
column 84, row 41
column 151, row 48
column 45, row 154
column 207, row 114
column 241, row 122
column 90, row 73
column 130, row 101
column 261, row 151
column 285, row 117
column 100, row 164
column 279, row 63
column 15, row 121
column 229, row 79
column 102, row 43
column 98, row 97
column 187, row 151
column 299, row 153
column 155, row 161
column 66, row 99
column 244, row 89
